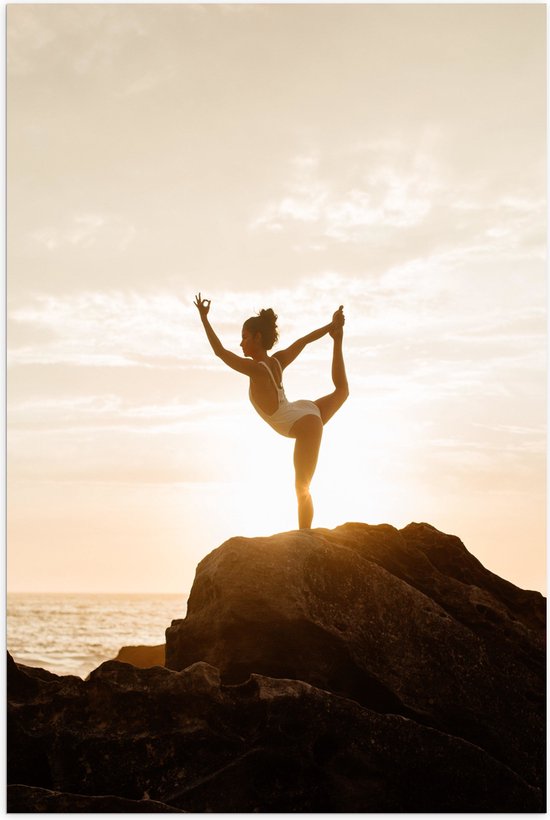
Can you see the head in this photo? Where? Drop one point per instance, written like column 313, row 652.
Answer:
column 259, row 333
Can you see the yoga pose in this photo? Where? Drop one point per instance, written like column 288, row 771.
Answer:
column 300, row 420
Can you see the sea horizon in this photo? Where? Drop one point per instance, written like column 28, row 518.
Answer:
column 72, row 633
column 79, row 592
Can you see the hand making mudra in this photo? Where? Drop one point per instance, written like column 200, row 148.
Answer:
column 301, row 420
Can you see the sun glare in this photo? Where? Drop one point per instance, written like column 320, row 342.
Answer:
column 351, row 481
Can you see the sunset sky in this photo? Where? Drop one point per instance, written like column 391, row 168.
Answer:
column 390, row 158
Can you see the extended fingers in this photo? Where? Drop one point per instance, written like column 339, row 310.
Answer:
column 200, row 302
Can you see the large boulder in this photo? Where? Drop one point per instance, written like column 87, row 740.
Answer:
column 404, row 622
column 186, row 740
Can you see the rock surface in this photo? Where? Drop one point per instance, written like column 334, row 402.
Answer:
column 30, row 799
column 142, row 656
column 403, row 621
column 361, row 669
column 186, row 740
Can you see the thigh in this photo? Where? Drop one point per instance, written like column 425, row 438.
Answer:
column 309, row 431
column 328, row 405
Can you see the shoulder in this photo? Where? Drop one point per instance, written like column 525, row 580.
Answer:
column 257, row 369
column 279, row 358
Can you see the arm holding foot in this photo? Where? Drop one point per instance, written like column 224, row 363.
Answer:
column 287, row 356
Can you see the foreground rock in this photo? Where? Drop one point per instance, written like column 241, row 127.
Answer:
column 27, row 799
column 361, row 669
column 404, row 622
column 269, row 745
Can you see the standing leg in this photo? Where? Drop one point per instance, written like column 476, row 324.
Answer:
column 308, row 431
column 328, row 405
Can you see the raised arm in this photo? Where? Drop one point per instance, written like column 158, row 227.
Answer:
column 238, row 363
column 287, row 356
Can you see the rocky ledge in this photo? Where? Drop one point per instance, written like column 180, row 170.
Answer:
column 360, row 669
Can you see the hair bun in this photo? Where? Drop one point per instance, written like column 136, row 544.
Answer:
column 268, row 314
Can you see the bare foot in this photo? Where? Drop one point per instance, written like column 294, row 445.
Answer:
column 338, row 319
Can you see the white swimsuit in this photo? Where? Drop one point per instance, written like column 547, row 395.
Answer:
column 288, row 412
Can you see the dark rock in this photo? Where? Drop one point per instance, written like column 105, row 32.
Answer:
column 28, row 689
column 142, row 656
column 26, row 799
column 188, row 741
column 361, row 669
column 404, row 622
column 21, row 680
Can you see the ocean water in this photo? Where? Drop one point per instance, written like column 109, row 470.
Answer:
column 73, row 634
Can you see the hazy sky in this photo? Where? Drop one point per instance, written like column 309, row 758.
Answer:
column 390, row 158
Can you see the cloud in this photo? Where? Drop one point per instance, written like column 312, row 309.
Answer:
column 108, row 438
column 85, row 230
column 101, row 328
column 378, row 185
column 149, row 80
column 70, row 413
column 27, row 36
column 84, row 39
column 384, row 208
column 445, row 306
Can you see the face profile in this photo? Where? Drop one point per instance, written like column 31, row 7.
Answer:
column 249, row 342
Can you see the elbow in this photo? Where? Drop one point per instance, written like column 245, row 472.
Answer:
column 343, row 391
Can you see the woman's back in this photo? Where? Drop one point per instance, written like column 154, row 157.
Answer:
column 266, row 390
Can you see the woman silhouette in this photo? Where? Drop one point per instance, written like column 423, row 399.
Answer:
column 300, row 420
